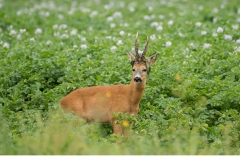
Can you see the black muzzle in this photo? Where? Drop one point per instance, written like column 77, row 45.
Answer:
column 137, row 79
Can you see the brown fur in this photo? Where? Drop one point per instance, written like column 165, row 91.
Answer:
column 99, row 103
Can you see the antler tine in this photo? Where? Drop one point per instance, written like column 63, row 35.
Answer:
column 145, row 49
column 136, row 47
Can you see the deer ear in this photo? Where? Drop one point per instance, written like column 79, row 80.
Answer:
column 152, row 59
column 131, row 57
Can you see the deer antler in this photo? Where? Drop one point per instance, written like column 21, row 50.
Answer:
column 145, row 51
column 136, row 48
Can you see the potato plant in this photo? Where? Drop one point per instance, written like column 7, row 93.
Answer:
column 191, row 103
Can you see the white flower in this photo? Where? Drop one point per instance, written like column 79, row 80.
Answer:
column 227, row 37
column 89, row 56
column 19, row 37
column 170, row 22
column 117, row 15
column 235, row 27
column 161, row 16
column 125, row 24
column 154, row 24
column 153, row 37
column 112, row 25
column 150, row 8
column 219, row 30
column 198, row 24
column 22, row 30
column 238, row 41
column 83, row 39
column 109, row 19
column 168, row 44
column 131, row 9
column 215, row 20
column 108, row 37
column 214, row 34
column 83, row 46
column 107, row 7
column 119, row 42
column 212, row 60
column 90, row 28
column 215, row 10
column 71, row 12
column 64, row 36
column 186, row 51
column 139, row 51
column 12, row 32
column 55, row 26
column 238, row 20
column 206, row 45
column 121, row 33
column 19, row 12
column 181, row 34
column 73, row 32
column 192, row 44
column 38, row 31
column 203, row 33
column 63, row 26
column 47, row 14
column 75, row 46
column 237, row 49
column 32, row 39
column 85, row 10
column 56, row 34
column 113, row 48
column 93, row 14
column 146, row 17
column 48, row 42
column 159, row 28
column 200, row 8
column 6, row 45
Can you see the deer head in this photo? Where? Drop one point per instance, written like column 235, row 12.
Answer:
column 141, row 65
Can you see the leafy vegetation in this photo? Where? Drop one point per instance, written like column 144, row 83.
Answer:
column 191, row 103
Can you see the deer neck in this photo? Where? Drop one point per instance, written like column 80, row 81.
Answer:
column 136, row 91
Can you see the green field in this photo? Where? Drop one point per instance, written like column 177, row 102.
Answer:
column 191, row 103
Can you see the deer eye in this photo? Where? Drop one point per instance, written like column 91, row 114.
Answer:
column 144, row 70
column 133, row 70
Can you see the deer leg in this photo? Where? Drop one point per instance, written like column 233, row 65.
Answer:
column 126, row 130
column 117, row 128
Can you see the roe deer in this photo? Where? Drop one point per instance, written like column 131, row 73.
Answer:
column 99, row 103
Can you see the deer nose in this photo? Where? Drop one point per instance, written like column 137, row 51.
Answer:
column 137, row 79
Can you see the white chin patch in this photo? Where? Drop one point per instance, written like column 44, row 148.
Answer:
column 138, row 81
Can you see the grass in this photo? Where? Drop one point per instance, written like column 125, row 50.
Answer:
column 72, row 136
column 191, row 102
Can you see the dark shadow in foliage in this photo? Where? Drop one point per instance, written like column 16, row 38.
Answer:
column 105, row 129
